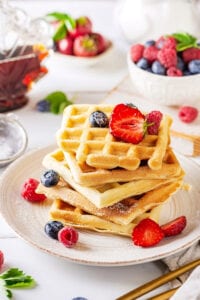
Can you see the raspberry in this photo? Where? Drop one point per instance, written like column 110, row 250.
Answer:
column 68, row 236
column 167, row 57
column 187, row 114
column 137, row 52
column 191, row 54
column 1, row 259
column 28, row 191
column 150, row 53
column 166, row 42
column 174, row 72
column 153, row 120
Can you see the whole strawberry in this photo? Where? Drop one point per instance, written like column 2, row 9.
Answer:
column 127, row 124
column 85, row 46
column 83, row 26
column 147, row 233
column 65, row 46
column 100, row 41
column 167, row 57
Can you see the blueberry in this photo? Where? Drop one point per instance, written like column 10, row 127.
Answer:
column 79, row 298
column 149, row 43
column 157, row 68
column 180, row 64
column 50, row 178
column 149, row 70
column 194, row 66
column 2, row 56
column 187, row 73
column 52, row 228
column 43, row 106
column 143, row 63
column 98, row 119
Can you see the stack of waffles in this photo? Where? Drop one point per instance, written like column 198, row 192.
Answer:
column 108, row 185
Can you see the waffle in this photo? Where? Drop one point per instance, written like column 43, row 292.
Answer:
column 70, row 215
column 99, row 149
column 107, row 194
column 123, row 212
column 90, row 176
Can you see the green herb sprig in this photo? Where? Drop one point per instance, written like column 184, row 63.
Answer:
column 185, row 41
column 58, row 101
column 14, row 278
column 66, row 23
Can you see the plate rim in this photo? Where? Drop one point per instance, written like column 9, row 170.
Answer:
column 79, row 260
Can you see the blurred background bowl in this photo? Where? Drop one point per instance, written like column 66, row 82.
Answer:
column 165, row 90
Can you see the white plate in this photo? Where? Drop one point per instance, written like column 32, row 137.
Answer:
column 93, row 248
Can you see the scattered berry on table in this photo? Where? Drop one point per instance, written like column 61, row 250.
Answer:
column 136, row 52
column 52, row 228
column 143, row 64
column 28, row 191
column 158, row 68
column 174, row 227
column 1, row 259
column 167, row 57
column 68, row 236
column 147, row 233
column 174, row 72
column 153, row 120
column 188, row 114
column 50, row 178
column 194, row 66
column 98, row 119
column 79, row 298
column 127, row 124
column 43, row 106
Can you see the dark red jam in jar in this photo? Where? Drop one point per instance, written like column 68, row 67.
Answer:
column 17, row 73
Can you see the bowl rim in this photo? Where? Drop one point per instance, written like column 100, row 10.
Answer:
column 132, row 64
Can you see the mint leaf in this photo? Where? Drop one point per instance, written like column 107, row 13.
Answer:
column 184, row 41
column 60, row 33
column 58, row 16
column 58, row 101
column 16, row 278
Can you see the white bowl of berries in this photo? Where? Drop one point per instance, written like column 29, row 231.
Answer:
column 167, row 71
column 76, row 43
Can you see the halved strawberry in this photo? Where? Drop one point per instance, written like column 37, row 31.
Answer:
column 175, row 226
column 147, row 233
column 127, row 123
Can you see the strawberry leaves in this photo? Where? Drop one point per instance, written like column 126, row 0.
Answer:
column 184, row 41
column 66, row 23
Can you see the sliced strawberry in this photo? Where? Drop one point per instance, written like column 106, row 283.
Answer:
column 147, row 233
column 174, row 227
column 127, row 123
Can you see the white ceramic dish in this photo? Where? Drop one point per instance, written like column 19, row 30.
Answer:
column 93, row 248
column 70, row 61
column 164, row 89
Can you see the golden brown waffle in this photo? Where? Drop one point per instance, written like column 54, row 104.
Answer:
column 70, row 215
column 90, row 176
column 107, row 194
column 98, row 148
column 123, row 212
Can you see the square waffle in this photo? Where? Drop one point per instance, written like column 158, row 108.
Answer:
column 73, row 216
column 107, row 194
column 99, row 149
column 90, row 176
column 123, row 212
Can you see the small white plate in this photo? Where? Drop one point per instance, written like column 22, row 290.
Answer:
column 70, row 61
column 93, row 248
